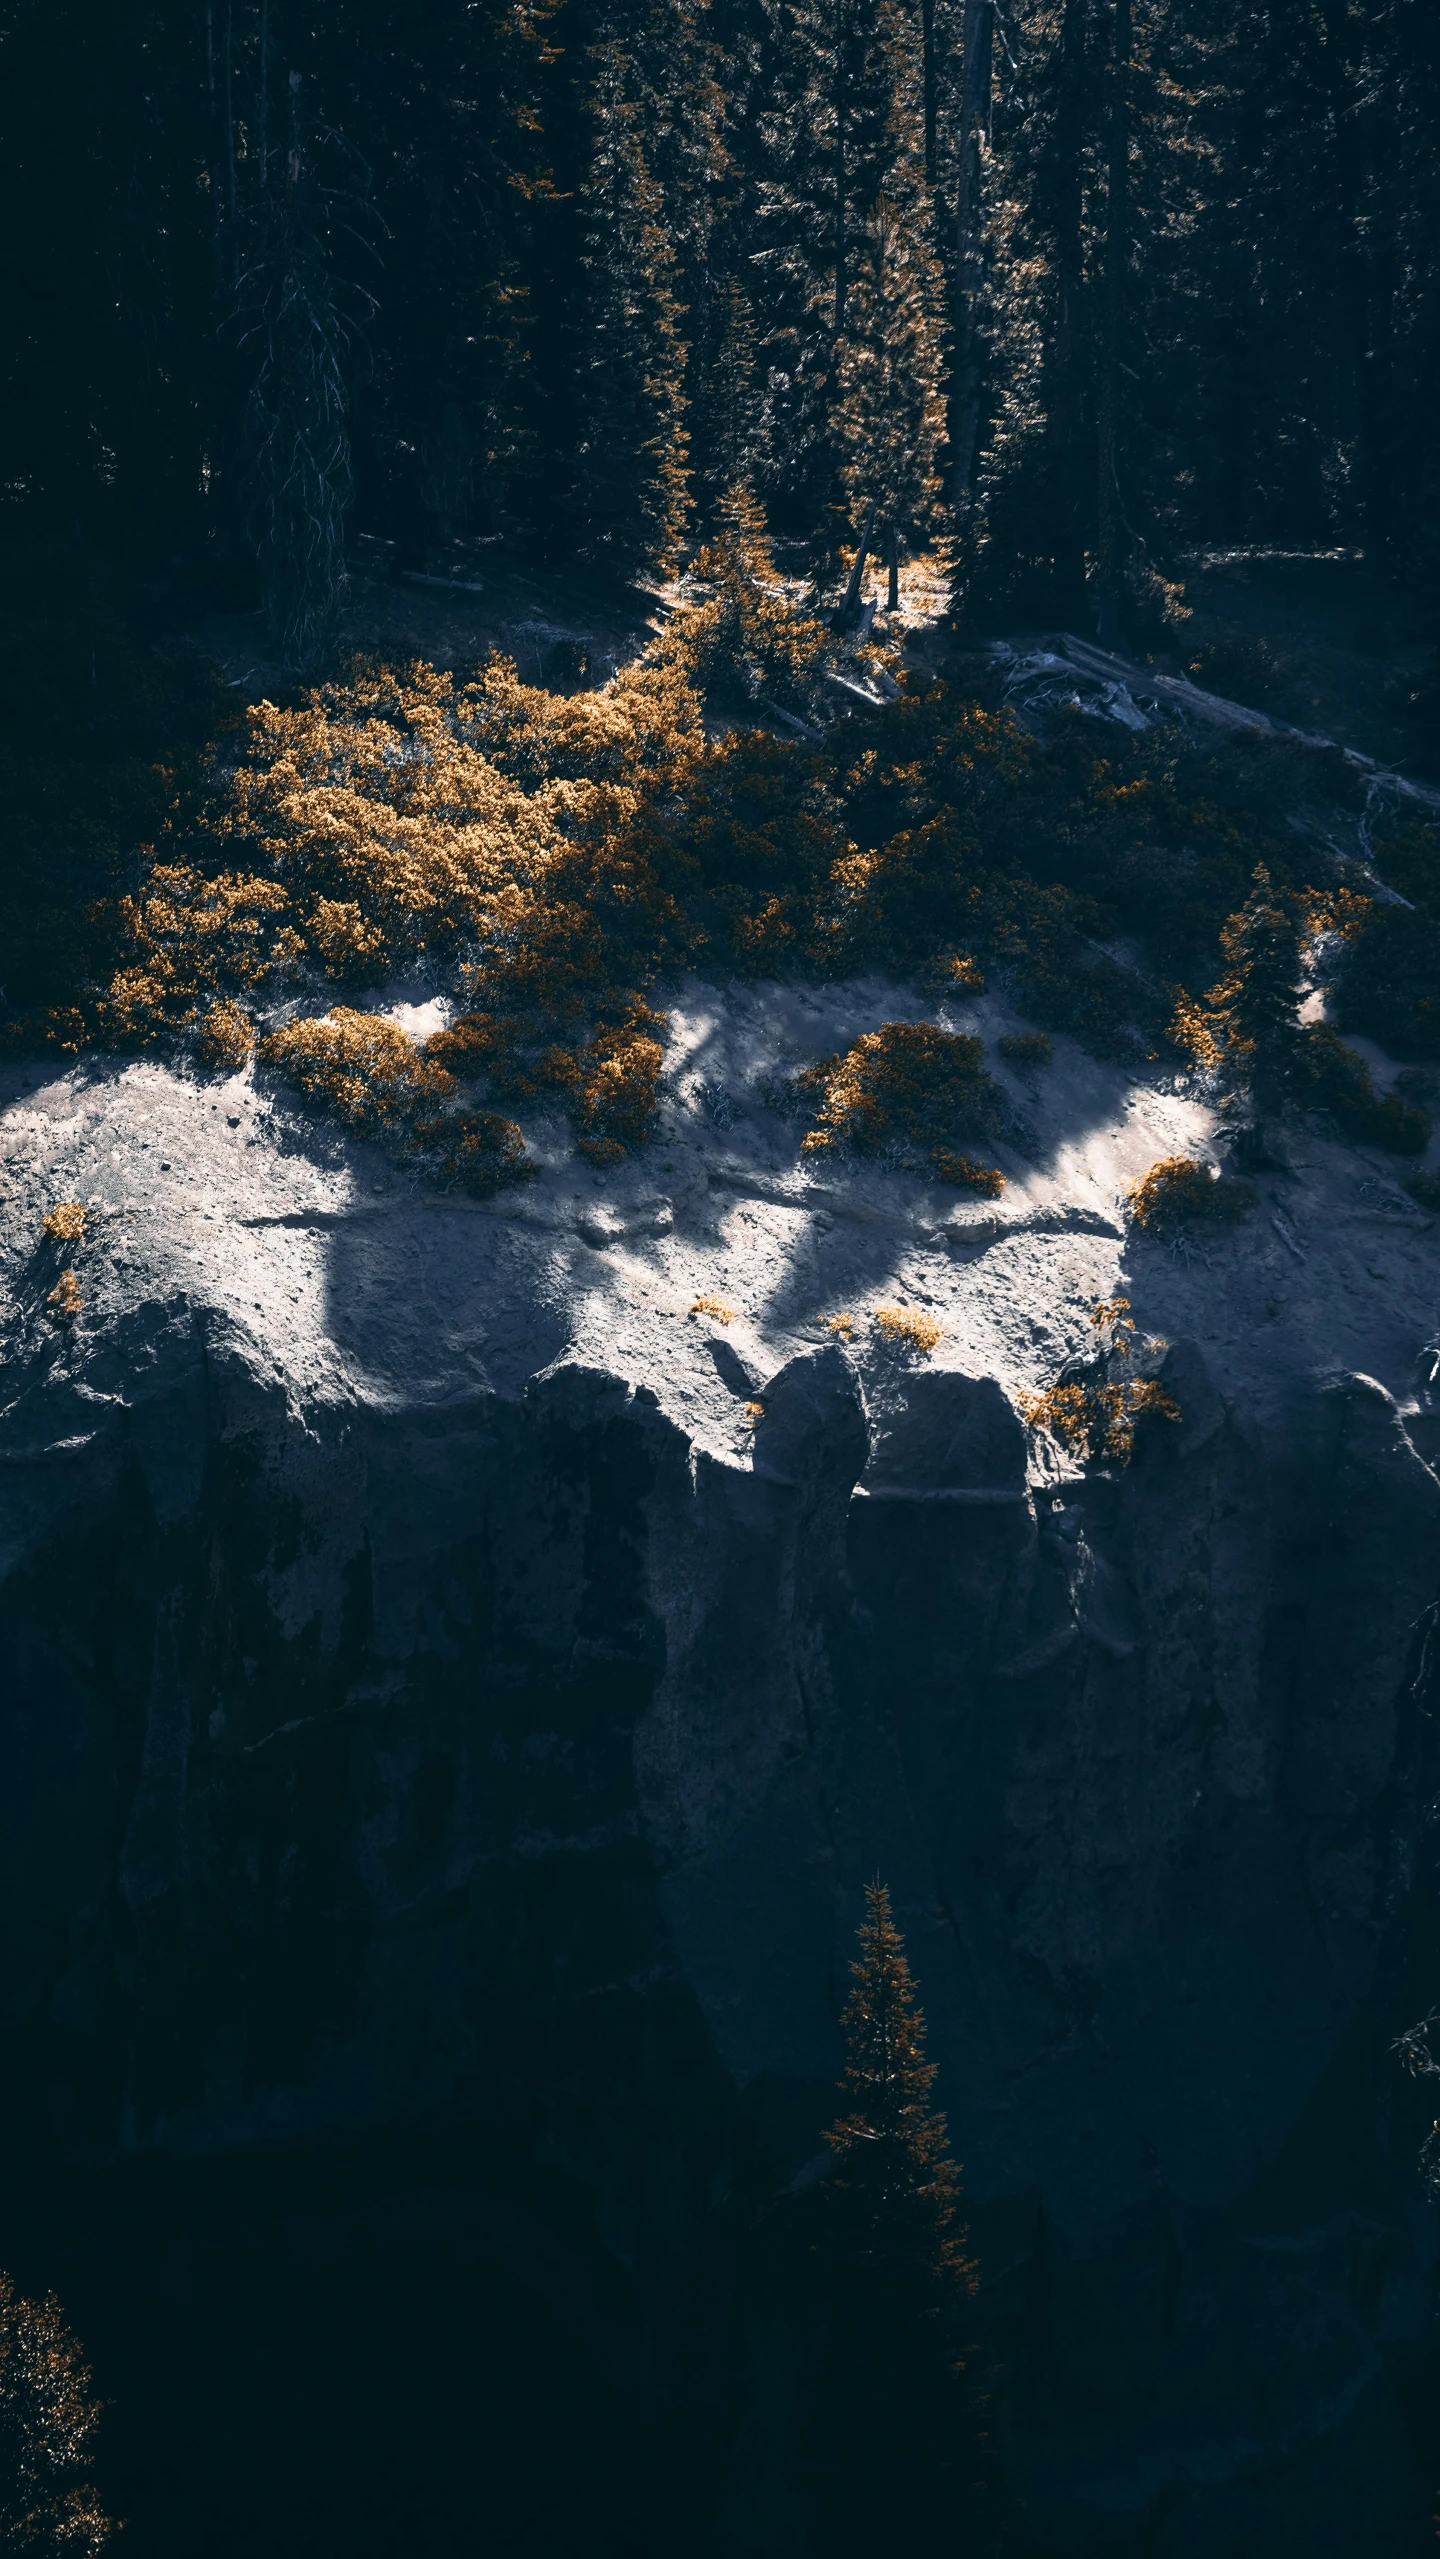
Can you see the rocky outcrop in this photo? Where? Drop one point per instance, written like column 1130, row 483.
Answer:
column 514, row 1735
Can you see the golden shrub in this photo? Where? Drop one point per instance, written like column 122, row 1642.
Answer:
column 65, row 1223
column 908, row 1328
column 474, row 1151
column 226, row 1035
column 963, row 1173
column 715, row 1306
column 907, row 1081
column 841, row 1325
column 65, row 1300
column 1097, row 1415
column 375, row 1078
column 1178, row 1192
column 365, row 1069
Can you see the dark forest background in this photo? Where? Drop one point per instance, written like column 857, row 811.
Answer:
column 1075, row 283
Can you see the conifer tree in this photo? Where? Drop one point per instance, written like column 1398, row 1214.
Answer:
column 631, row 356
column 1249, row 1027
column 297, row 416
column 891, row 412
column 903, row 2418
column 48, row 2421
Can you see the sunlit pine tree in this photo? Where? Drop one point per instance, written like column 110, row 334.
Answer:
column 1256, row 1006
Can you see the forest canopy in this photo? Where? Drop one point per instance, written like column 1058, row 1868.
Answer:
column 1074, row 284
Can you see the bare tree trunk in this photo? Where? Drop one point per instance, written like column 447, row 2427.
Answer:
column 892, row 598
column 850, row 602
column 230, row 145
column 840, row 248
column 1064, row 390
column 1110, row 526
column 969, row 262
column 264, row 93
column 217, row 216
column 927, row 59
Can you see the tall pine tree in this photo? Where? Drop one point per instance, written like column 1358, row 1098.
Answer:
column 633, row 496
column 903, row 2444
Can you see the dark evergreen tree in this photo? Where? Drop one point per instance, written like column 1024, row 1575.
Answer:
column 891, row 415
column 904, row 2453
column 297, row 415
column 630, row 354
column 48, row 2421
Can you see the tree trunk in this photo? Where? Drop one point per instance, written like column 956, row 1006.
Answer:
column 969, row 262
column 892, row 598
column 840, row 247
column 1064, row 389
column 234, row 191
column 1109, row 521
column 850, row 602
column 927, row 59
column 264, row 93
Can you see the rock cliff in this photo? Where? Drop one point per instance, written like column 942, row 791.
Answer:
column 446, row 1678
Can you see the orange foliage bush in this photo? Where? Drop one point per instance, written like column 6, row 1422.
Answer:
column 1178, row 1192
column 908, row 1328
column 1097, row 1415
column 65, row 1300
column 907, row 1082
column 65, row 1223
column 371, row 1075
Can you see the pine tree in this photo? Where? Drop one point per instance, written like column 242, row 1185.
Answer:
column 892, row 416
column 902, row 2417
column 48, row 2420
column 631, row 356
column 1249, row 1027
column 297, row 416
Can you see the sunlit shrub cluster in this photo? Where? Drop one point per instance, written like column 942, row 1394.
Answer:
column 907, row 1328
column 372, row 1076
column 1178, row 1194
column 911, row 1085
column 549, row 858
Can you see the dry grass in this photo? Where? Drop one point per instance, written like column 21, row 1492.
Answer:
column 716, row 1307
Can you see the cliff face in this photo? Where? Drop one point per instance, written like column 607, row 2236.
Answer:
column 431, row 1695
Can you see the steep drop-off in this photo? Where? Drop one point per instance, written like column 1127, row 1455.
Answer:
column 444, row 1723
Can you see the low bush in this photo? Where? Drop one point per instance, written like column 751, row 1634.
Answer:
column 371, row 1075
column 1027, row 1048
column 1341, row 1082
column 65, row 1300
column 964, row 1174
column 907, row 1329
column 65, row 1223
column 715, row 1306
column 1179, row 1194
column 910, row 1084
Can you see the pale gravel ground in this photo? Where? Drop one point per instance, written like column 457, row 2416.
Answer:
column 327, row 1271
